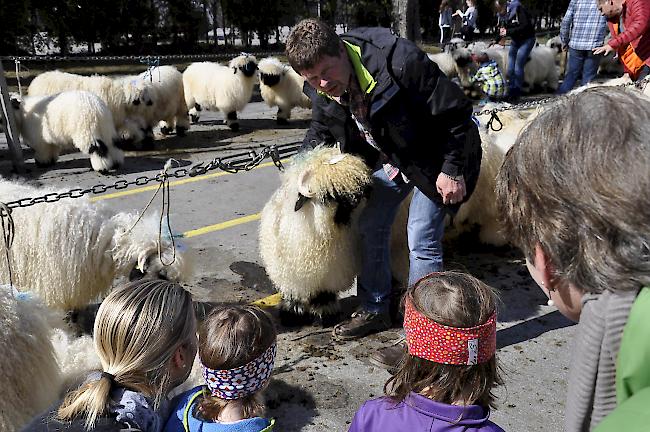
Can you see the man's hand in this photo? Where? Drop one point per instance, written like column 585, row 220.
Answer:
column 605, row 49
column 452, row 191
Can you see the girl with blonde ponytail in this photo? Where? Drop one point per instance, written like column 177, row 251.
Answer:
column 145, row 337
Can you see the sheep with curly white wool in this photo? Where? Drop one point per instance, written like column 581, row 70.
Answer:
column 281, row 86
column 555, row 43
column 480, row 209
column 30, row 377
column 126, row 97
column 170, row 108
column 213, row 86
column 541, row 70
column 308, row 233
column 455, row 62
column 70, row 252
column 72, row 119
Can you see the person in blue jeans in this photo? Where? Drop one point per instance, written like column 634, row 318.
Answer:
column 379, row 96
column 519, row 27
column 583, row 29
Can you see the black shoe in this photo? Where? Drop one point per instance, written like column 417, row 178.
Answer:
column 361, row 323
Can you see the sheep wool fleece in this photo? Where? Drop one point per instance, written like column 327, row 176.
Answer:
column 421, row 121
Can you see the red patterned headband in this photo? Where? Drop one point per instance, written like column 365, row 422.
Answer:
column 449, row 345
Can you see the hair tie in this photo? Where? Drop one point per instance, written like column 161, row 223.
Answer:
column 110, row 377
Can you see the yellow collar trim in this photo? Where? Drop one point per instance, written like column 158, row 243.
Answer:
column 366, row 82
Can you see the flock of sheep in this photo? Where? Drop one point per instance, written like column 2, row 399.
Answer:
column 99, row 115
column 68, row 254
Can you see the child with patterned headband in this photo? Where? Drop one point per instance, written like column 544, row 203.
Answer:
column 445, row 381
column 237, row 347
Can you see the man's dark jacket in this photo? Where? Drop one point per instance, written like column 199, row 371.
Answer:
column 419, row 118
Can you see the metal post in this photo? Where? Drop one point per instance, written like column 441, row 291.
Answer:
column 11, row 131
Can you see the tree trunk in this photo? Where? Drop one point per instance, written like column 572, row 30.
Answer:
column 215, row 23
column 406, row 19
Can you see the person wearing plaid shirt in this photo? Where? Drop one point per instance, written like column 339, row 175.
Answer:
column 489, row 75
column 582, row 29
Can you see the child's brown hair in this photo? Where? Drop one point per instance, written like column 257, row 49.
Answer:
column 457, row 300
column 232, row 336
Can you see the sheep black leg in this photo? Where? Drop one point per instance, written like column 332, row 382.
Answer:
column 281, row 119
column 231, row 121
column 294, row 314
column 325, row 305
column 180, row 131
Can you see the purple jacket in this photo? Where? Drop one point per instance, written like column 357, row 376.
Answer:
column 418, row 413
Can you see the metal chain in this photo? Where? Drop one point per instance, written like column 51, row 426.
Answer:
column 231, row 164
column 133, row 57
column 494, row 118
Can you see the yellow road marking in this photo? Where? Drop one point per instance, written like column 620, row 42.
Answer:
column 172, row 183
column 222, row 225
column 272, row 300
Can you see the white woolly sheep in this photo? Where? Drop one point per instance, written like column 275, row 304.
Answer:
column 308, row 233
column 125, row 97
column 555, row 43
column 170, row 107
column 30, row 377
column 78, row 119
column 281, row 86
column 456, row 62
column 541, row 70
column 70, row 252
column 225, row 88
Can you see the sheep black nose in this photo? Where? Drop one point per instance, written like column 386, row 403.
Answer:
column 136, row 102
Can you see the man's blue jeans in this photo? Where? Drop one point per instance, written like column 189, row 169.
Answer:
column 517, row 57
column 425, row 230
column 581, row 63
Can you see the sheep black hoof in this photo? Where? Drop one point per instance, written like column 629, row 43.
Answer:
column 194, row 119
column 234, row 127
column 180, row 131
column 330, row 320
column 45, row 164
column 165, row 130
column 291, row 317
column 282, row 121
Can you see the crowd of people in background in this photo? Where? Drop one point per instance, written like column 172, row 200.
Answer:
column 582, row 33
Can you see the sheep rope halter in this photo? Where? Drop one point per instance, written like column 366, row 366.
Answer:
column 163, row 178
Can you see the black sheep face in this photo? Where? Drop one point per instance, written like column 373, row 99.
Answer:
column 463, row 61
column 269, row 79
column 248, row 69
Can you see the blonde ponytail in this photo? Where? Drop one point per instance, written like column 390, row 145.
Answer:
column 138, row 328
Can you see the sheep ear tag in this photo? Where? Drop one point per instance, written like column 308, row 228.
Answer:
column 336, row 159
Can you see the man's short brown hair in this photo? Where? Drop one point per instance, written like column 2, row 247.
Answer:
column 308, row 41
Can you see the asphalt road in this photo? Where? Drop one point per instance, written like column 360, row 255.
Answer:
column 318, row 384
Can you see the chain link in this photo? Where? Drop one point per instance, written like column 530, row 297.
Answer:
column 493, row 112
column 232, row 164
column 144, row 59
